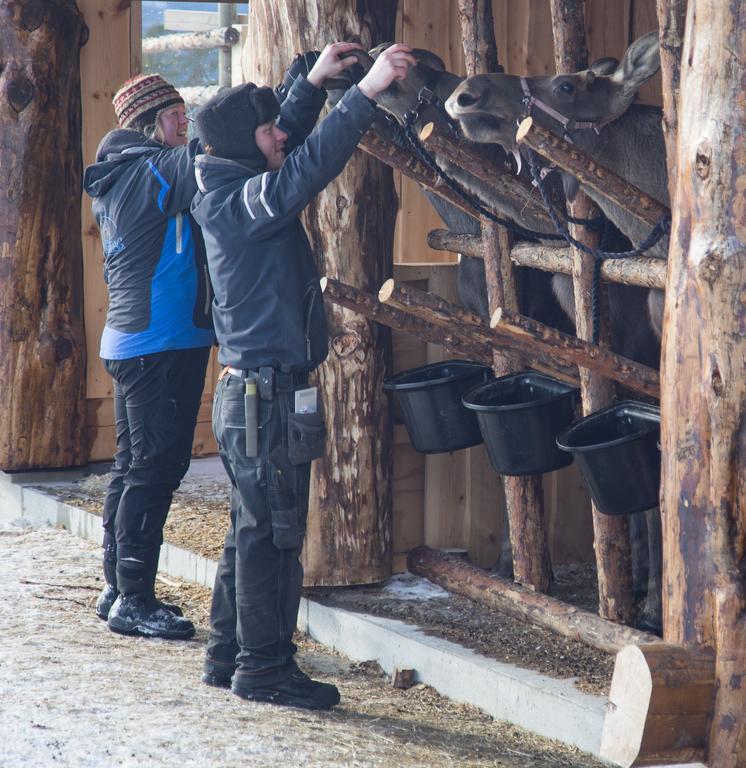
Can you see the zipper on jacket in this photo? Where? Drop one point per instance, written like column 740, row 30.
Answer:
column 206, row 273
column 179, row 244
column 311, row 288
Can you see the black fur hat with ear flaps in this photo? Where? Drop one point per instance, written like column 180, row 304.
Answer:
column 227, row 122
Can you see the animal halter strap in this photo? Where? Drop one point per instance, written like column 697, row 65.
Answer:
column 566, row 123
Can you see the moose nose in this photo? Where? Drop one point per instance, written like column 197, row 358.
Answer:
column 466, row 99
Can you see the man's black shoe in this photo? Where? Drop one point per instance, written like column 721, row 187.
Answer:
column 218, row 674
column 109, row 594
column 297, row 690
column 141, row 615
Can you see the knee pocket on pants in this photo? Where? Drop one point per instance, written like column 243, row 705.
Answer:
column 287, row 532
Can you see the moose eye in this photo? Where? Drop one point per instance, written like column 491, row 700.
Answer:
column 566, row 87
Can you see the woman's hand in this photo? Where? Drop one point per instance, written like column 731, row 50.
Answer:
column 392, row 64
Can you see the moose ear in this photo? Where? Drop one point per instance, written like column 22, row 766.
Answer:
column 605, row 66
column 423, row 56
column 640, row 63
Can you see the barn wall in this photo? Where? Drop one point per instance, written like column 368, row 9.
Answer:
column 453, row 500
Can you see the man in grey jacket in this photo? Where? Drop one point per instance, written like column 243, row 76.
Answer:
column 259, row 173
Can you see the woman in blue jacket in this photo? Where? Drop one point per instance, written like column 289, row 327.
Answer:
column 156, row 342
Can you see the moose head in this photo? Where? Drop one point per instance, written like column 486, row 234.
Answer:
column 489, row 107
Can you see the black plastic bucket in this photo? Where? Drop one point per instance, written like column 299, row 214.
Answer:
column 520, row 416
column 617, row 452
column 430, row 400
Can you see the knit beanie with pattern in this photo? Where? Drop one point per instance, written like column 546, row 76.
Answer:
column 140, row 99
column 226, row 123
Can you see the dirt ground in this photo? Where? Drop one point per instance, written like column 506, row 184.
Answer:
column 72, row 693
column 198, row 521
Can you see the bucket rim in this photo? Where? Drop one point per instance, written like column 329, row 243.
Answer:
column 469, row 368
column 640, row 406
column 570, row 390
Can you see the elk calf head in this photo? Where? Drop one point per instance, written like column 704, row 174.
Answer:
column 489, row 107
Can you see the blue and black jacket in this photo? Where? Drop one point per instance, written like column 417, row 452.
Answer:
column 268, row 307
column 154, row 258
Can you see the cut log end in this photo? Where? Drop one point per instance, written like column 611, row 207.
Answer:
column 426, row 131
column 385, row 291
column 496, row 317
column 524, row 128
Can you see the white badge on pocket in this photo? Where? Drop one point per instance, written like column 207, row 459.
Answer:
column 305, row 400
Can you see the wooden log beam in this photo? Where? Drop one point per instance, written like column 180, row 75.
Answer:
column 660, row 703
column 367, row 304
column 590, row 173
column 503, row 182
column 404, row 162
column 437, row 311
column 601, row 361
column 462, row 578
column 642, row 271
column 223, row 37
column 520, row 333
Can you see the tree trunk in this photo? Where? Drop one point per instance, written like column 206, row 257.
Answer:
column 350, row 225
column 703, row 407
column 610, row 534
column 42, row 346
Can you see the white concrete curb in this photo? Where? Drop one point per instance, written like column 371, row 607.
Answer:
column 551, row 708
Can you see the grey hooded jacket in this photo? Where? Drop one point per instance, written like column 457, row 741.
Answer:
column 268, row 307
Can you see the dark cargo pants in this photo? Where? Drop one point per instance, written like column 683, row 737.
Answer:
column 258, row 584
column 156, row 401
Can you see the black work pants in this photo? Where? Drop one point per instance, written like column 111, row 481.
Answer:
column 156, row 400
column 258, row 584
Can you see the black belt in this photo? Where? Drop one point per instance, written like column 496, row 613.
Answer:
column 271, row 380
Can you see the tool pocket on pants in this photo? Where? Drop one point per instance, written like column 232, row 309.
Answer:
column 306, row 437
column 283, row 501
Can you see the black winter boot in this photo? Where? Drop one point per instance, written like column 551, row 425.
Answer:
column 295, row 690
column 218, row 674
column 144, row 615
column 109, row 594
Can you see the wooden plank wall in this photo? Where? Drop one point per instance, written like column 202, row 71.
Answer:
column 453, row 500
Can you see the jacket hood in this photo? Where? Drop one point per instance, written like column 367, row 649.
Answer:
column 115, row 152
column 213, row 172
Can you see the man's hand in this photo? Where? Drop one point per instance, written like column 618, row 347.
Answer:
column 392, row 64
column 331, row 62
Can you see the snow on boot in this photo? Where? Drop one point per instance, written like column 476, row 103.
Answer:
column 109, row 594
column 144, row 615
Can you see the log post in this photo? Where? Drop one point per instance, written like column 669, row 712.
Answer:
column 703, row 404
column 610, row 534
column 524, row 496
column 660, row 703
column 42, row 344
column 607, row 183
column 671, row 19
column 349, row 524
column 462, row 578
column 640, row 270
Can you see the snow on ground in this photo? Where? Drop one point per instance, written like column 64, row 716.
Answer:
column 74, row 694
